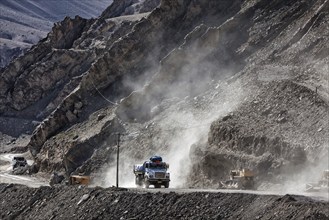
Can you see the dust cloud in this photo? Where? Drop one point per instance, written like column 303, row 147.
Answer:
column 195, row 124
column 126, row 176
column 184, row 123
column 184, row 97
column 312, row 173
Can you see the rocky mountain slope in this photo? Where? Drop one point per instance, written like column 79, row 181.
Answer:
column 24, row 23
column 209, row 85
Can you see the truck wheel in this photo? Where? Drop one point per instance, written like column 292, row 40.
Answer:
column 137, row 181
column 166, row 185
column 251, row 185
column 147, row 184
column 239, row 185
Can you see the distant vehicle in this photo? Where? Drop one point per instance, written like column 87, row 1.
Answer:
column 19, row 162
column 152, row 172
column 321, row 185
column 79, row 180
column 73, row 179
column 239, row 179
column 20, row 165
column 56, row 178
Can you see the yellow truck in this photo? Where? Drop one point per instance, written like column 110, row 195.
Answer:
column 239, row 179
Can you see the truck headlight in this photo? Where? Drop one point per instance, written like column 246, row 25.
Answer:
column 151, row 176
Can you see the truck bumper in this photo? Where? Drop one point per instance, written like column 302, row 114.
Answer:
column 158, row 181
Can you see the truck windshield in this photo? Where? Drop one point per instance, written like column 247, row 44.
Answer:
column 157, row 166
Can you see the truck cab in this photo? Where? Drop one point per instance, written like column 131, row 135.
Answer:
column 153, row 172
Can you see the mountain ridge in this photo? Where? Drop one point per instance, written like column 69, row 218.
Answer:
column 35, row 19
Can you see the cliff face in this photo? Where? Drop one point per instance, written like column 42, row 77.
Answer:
column 24, row 23
column 210, row 85
column 33, row 85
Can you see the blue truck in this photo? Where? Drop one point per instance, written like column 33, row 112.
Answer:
column 152, row 172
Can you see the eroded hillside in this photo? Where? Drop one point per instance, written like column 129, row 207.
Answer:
column 209, row 85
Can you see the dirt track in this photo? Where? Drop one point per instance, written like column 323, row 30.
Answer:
column 6, row 175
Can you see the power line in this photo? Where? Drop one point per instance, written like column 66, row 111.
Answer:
column 187, row 128
column 113, row 103
column 171, row 129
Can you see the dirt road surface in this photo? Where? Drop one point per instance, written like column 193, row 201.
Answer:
column 30, row 197
column 6, row 175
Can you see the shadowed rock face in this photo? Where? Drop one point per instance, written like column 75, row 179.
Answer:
column 65, row 33
column 30, row 78
column 244, row 70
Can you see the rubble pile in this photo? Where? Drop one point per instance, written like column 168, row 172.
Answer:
column 63, row 202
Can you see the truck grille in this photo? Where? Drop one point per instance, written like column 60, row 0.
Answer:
column 160, row 175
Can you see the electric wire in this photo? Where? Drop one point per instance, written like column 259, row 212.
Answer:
column 106, row 99
column 187, row 128
column 171, row 129
column 138, row 133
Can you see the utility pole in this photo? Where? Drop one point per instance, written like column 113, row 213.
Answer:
column 316, row 94
column 118, row 148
